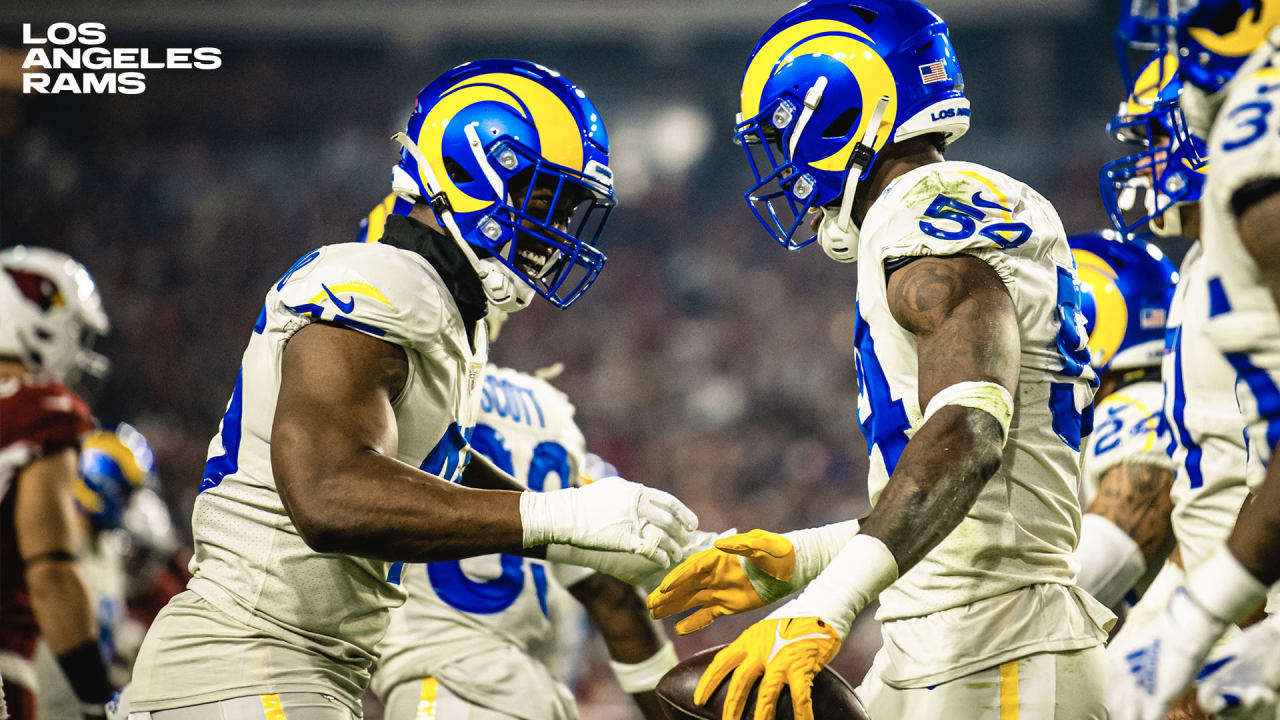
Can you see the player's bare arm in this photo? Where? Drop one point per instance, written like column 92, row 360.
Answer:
column 1257, row 210
column 339, row 479
column 49, row 538
column 619, row 612
column 966, row 330
column 49, row 535
column 1135, row 498
column 1257, row 533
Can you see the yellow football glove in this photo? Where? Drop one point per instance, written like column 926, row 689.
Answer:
column 717, row 581
column 786, row 652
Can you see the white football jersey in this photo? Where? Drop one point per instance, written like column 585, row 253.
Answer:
column 1002, row 584
column 1206, row 438
column 1128, row 427
column 1245, row 146
column 294, row 619
column 484, row 627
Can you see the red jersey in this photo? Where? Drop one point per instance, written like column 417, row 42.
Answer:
column 36, row 419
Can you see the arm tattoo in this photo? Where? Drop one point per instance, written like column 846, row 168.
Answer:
column 1135, row 497
column 920, row 295
column 966, row 329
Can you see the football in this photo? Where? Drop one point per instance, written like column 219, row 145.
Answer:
column 833, row 698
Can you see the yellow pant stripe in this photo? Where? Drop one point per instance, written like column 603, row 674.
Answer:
column 271, row 707
column 1009, row 690
column 427, row 700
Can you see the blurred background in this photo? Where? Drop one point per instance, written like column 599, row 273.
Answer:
column 706, row 360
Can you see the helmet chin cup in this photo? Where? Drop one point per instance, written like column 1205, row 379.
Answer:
column 504, row 291
column 1170, row 222
column 839, row 243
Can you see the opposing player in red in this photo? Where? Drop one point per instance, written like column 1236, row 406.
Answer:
column 49, row 312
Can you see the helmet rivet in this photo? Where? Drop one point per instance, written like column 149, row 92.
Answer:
column 507, row 158
column 1175, row 182
column 802, row 187
column 491, row 229
column 782, row 114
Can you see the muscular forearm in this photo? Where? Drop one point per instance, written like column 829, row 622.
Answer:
column 1256, row 539
column 61, row 605
column 378, row 507
column 621, row 616
column 938, row 478
column 638, row 649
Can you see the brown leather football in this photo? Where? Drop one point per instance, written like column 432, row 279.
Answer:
column 833, row 699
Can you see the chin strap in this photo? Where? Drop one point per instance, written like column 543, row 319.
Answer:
column 501, row 287
column 837, row 234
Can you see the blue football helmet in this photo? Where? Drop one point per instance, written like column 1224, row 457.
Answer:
column 1126, row 287
column 1212, row 38
column 1170, row 168
column 514, row 160
column 113, row 464
column 825, row 89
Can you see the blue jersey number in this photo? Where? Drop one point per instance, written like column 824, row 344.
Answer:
column 966, row 218
column 886, row 424
column 492, row 596
column 1068, row 422
column 1251, row 120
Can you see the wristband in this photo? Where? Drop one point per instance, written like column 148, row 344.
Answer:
column 1224, row 587
column 86, row 673
column 644, row 676
column 536, row 519
column 857, row 575
column 1110, row 561
column 989, row 397
column 814, row 549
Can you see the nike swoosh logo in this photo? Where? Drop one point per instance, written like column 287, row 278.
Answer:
column 345, row 307
column 780, row 642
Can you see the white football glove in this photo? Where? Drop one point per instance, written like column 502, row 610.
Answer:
column 612, row 515
column 1151, row 669
column 1244, row 682
column 630, row 568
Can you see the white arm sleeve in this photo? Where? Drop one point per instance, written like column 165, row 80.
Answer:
column 1110, row 561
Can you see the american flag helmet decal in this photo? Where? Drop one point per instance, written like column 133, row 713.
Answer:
column 933, row 72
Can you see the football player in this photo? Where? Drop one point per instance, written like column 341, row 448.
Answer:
column 486, row 648
column 974, row 382
column 1126, row 473
column 343, row 451
column 114, row 464
column 51, row 314
column 1206, row 444
column 1228, row 69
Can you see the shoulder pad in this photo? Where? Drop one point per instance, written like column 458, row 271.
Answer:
column 47, row 415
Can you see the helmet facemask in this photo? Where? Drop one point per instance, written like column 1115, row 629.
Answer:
column 783, row 193
column 547, row 227
column 1168, row 171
